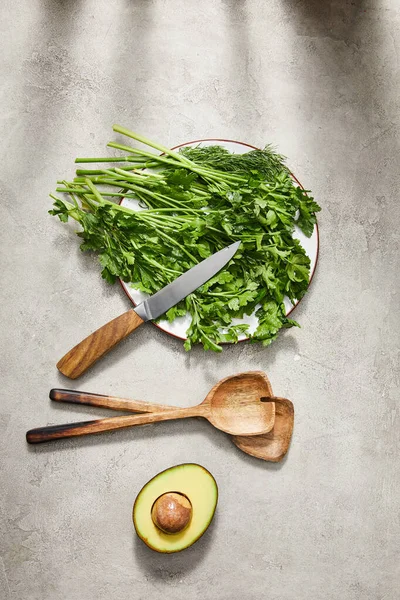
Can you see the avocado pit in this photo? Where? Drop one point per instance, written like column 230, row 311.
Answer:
column 171, row 512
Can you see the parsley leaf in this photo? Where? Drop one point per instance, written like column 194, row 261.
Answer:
column 196, row 202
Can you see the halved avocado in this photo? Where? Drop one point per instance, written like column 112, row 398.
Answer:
column 199, row 492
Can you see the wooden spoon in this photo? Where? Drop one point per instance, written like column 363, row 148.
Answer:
column 271, row 446
column 233, row 405
column 274, row 445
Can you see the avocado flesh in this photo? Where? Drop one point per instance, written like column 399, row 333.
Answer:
column 194, row 482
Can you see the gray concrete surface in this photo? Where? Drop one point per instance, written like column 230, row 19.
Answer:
column 320, row 80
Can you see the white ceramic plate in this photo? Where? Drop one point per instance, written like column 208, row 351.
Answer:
column 180, row 325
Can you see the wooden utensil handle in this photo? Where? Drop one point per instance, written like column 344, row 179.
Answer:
column 55, row 432
column 98, row 343
column 273, row 399
column 102, row 401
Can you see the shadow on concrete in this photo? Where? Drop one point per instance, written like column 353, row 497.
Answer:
column 334, row 18
column 243, row 70
column 348, row 69
column 259, row 356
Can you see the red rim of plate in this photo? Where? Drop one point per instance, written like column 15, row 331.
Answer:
column 178, row 337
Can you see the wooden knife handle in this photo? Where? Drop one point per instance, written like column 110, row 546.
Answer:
column 98, row 343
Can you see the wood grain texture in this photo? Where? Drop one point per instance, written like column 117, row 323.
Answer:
column 56, row 432
column 233, row 405
column 97, row 344
column 274, row 445
column 102, row 401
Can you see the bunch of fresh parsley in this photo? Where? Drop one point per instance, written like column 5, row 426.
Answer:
column 198, row 201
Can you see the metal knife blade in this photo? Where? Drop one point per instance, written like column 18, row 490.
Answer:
column 185, row 284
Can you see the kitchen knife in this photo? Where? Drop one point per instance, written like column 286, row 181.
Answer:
column 87, row 352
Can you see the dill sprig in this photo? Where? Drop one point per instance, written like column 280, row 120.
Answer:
column 267, row 161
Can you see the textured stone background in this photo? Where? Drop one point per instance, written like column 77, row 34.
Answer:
column 320, row 80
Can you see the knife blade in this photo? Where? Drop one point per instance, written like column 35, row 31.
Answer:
column 185, row 284
column 98, row 343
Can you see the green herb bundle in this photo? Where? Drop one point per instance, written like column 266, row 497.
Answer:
column 197, row 201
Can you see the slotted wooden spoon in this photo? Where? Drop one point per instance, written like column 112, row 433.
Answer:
column 271, row 446
column 233, row 405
